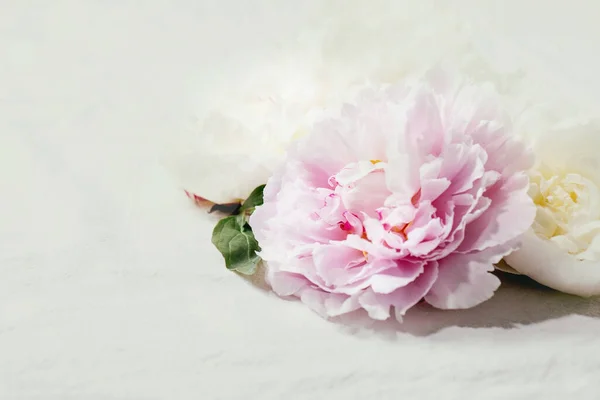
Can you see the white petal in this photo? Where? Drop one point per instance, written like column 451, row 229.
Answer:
column 220, row 178
column 572, row 149
column 545, row 262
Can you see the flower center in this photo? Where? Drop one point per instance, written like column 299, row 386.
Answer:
column 360, row 192
column 568, row 212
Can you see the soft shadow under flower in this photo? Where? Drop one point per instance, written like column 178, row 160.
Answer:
column 518, row 301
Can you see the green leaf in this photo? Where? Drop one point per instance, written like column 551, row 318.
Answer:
column 236, row 242
column 254, row 200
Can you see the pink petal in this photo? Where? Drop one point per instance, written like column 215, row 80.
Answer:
column 285, row 283
column 509, row 215
column 393, row 279
column 464, row 280
column 402, row 174
column 315, row 300
column 373, row 304
column 410, row 295
column 367, row 194
column 424, row 131
column 336, row 305
column 378, row 305
column 355, row 172
column 331, row 262
column 359, row 278
column 332, row 211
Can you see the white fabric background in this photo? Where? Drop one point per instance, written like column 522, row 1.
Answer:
column 109, row 286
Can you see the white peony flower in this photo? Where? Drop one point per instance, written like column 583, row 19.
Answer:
column 562, row 249
column 244, row 136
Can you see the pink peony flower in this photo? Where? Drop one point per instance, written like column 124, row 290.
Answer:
column 411, row 193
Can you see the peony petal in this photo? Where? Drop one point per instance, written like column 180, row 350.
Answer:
column 378, row 305
column 402, row 174
column 285, row 283
column 425, row 133
column 393, row 279
column 356, row 171
column 366, row 194
column 336, row 305
column 332, row 211
column 509, row 215
column 464, row 280
column 405, row 298
column 220, row 178
column 376, row 308
column 375, row 250
column 315, row 300
column 260, row 221
column 464, row 167
column 331, row 262
column 546, row 263
column 575, row 147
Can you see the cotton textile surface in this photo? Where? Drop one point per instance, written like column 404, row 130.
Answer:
column 110, row 287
